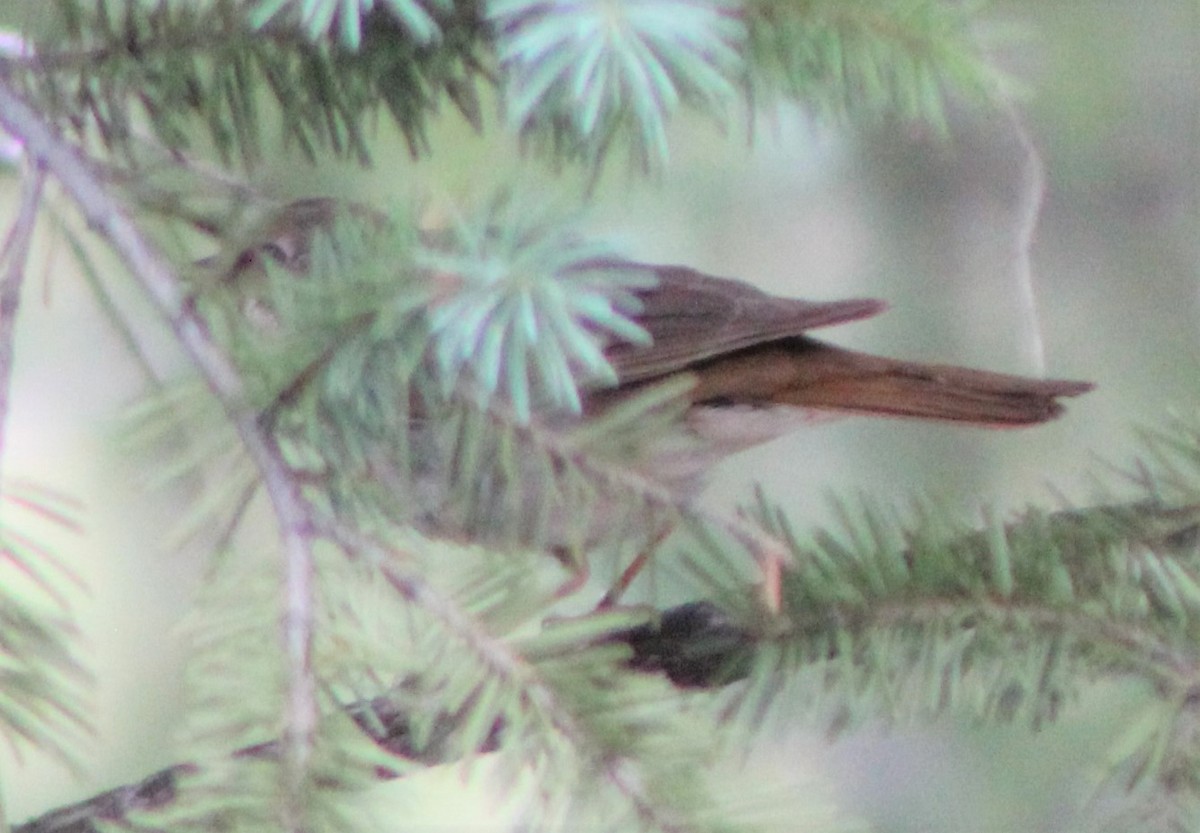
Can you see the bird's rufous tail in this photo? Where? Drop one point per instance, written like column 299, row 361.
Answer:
column 816, row 376
column 860, row 383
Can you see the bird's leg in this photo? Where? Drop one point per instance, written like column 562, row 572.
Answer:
column 770, row 554
column 577, row 569
column 635, row 567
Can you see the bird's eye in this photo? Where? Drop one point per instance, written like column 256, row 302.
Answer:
column 245, row 259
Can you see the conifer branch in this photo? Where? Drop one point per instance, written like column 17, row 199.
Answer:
column 579, row 79
column 855, row 615
column 173, row 65
column 14, row 255
column 158, row 280
column 697, row 646
column 393, row 728
column 504, row 664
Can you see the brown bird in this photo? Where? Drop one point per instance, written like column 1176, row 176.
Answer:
column 758, row 375
column 756, row 372
column 748, row 347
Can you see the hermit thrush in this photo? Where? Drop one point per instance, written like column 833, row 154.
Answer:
column 755, row 371
column 756, row 367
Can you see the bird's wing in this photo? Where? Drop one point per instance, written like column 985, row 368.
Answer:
column 692, row 316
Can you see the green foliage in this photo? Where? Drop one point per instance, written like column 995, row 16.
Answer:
column 511, row 301
column 467, row 659
column 423, row 389
column 583, row 73
column 346, row 19
column 577, row 79
column 181, row 436
column 870, row 56
column 235, row 686
column 128, row 71
column 43, row 680
column 530, row 291
column 899, row 621
column 458, row 337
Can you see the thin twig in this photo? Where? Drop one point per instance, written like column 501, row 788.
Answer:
column 15, row 255
column 1029, row 211
column 158, row 279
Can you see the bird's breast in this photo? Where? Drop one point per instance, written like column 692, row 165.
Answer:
column 732, row 428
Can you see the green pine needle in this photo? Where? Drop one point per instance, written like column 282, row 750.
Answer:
column 591, row 65
column 343, row 20
column 528, row 309
column 43, row 679
column 867, row 57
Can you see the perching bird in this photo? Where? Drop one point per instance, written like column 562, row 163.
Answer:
column 756, row 373
column 759, row 374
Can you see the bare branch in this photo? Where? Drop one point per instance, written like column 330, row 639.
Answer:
column 1029, row 211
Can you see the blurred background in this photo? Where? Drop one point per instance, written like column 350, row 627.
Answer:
column 932, row 224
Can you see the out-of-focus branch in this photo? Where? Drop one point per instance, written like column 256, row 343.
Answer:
column 698, row 646
column 14, row 256
column 694, row 644
column 150, row 268
column 46, row 148
column 499, row 656
column 1029, row 212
